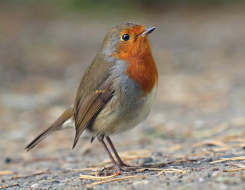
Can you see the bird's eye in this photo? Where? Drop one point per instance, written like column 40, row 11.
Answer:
column 125, row 37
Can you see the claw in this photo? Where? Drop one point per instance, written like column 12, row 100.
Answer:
column 128, row 170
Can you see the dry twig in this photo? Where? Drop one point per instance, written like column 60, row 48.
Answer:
column 240, row 167
column 116, row 174
column 171, row 171
column 228, row 159
column 234, row 170
column 234, row 139
column 96, row 177
column 118, row 179
column 7, row 172
column 9, row 186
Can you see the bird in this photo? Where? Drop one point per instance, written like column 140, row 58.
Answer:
column 117, row 91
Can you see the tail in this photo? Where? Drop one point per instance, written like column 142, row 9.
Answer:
column 54, row 126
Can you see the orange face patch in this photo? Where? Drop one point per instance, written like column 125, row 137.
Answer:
column 137, row 53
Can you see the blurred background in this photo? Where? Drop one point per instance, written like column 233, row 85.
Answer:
column 46, row 46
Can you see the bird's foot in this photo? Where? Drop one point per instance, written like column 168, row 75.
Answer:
column 126, row 170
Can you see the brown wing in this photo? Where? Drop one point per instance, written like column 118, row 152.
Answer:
column 88, row 108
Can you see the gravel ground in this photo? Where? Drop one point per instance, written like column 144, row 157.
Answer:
column 198, row 117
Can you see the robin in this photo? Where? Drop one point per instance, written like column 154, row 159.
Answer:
column 117, row 90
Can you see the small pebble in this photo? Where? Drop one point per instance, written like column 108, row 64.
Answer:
column 35, row 185
column 201, row 179
column 55, row 182
column 62, row 184
column 188, row 171
column 180, row 175
column 215, row 174
column 194, row 169
column 44, row 178
column 55, row 176
column 89, row 187
column 143, row 182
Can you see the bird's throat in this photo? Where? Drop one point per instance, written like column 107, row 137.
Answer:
column 141, row 65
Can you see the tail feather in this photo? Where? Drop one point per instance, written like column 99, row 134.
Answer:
column 54, row 126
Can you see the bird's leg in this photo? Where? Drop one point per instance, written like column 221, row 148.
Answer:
column 101, row 140
column 119, row 160
column 116, row 166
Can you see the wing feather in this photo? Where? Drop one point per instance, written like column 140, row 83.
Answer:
column 88, row 108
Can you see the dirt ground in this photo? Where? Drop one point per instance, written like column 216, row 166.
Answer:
column 198, row 117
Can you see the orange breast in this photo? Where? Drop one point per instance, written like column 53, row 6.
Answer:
column 141, row 65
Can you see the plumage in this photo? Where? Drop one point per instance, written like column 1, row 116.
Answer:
column 117, row 90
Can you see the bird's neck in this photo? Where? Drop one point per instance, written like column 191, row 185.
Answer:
column 141, row 65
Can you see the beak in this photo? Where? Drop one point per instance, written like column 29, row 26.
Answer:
column 147, row 31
